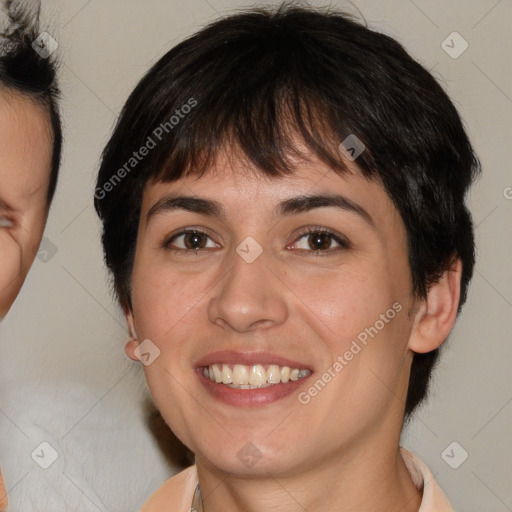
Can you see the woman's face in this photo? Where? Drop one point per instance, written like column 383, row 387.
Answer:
column 259, row 293
column 25, row 160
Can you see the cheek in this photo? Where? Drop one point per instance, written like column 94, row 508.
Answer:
column 10, row 253
column 165, row 306
column 359, row 318
column 10, row 270
column 346, row 300
column 158, row 299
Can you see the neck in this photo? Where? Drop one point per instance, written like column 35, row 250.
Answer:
column 373, row 480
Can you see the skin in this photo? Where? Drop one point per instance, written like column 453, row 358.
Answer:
column 305, row 307
column 25, row 163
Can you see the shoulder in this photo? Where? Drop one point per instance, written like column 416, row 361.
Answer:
column 434, row 499
column 178, row 491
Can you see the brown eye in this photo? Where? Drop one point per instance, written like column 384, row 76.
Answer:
column 321, row 239
column 192, row 240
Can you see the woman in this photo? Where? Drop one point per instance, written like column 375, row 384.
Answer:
column 283, row 208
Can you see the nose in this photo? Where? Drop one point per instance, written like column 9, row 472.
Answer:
column 250, row 296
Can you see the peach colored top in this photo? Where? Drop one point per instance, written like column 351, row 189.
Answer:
column 177, row 493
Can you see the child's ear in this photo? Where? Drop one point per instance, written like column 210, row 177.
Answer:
column 437, row 313
column 132, row 344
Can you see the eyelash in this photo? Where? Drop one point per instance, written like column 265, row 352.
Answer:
column 342, row 241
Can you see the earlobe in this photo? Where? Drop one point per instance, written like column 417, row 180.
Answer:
column 132, row 344
column 437, row 313
column 129, row 349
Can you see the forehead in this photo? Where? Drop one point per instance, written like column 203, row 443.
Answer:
column 25, row 150
column 233, row 186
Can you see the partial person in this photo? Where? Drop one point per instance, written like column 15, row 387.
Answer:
column 284, row 217
column 30, row 150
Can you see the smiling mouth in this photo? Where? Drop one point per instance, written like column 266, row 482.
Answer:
column 255, row 376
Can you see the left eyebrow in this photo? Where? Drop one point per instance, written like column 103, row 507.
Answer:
column 294, row 205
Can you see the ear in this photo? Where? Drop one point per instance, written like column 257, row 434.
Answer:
column 129, row 348
column 437, row 313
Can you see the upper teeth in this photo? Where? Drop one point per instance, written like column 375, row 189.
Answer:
column 246, row 377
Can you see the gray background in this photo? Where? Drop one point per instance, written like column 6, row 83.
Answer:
column 64, row 378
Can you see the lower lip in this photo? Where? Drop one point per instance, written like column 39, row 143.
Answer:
column 250, row 397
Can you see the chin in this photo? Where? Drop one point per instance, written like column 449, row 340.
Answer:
column 248, row 461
